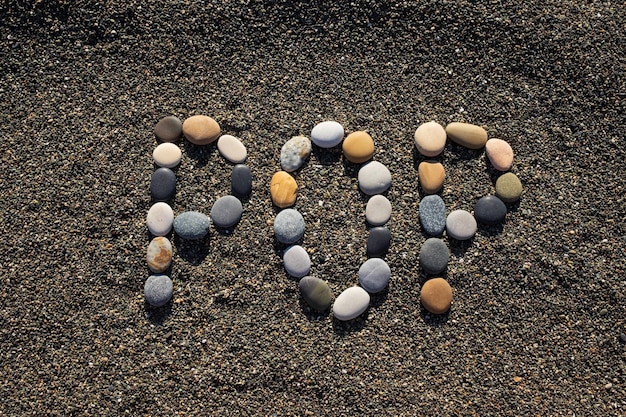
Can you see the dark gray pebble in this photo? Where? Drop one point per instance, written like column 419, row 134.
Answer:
column 490, row 210
column 432, row 215
column 316, row 293
column 163, row 184
column 241, row 180
column 434, row 256
column 226, row 211
column 378, row 241
column 622, row 338
column 192, row 225
column 158, row 290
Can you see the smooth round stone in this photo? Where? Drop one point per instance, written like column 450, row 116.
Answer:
column 374, row 178
column 163, row 184
column 351, row 303
column 500, row 154
column 159, row 256
column 232, row 149
column 432, row 214
column 296, row 261
column 158, row 290
column 167, row 155
column 316, row 293
column 461, row 225
column 327, row 134
column 468, row 135
column 378, row 210
column 283, row 189
column 241, row 180
column 160, row 219
column 434, row 256
column 201, row 129
column 374, row 275
column 358, row 147
column 430, row 139
column 226, row 211
column 489, row 210
column 431, row 176
column 192, row 225
column 168, row 129
column 294, row 153
column 289, row 226
column 378, row 241
column 509, row 187
column 436, row 295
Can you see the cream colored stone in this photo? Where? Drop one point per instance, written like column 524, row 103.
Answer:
column 430, row 139
column 232, row 149
column 500, row 154
column 167, row 155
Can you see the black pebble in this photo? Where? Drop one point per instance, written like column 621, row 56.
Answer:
column 489, row 210
column 622, row 338
column 163, row 184
column 378, row 241
column 241, row 180
column 434, row 256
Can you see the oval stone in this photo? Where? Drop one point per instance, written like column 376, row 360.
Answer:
column 159, row 256
column 509, row 187
column 296, row 261
column 158, row 290
column 461, row 225
column 201, row 129
column 283, row 189
column 232, row 149
column 378, row 210
column 374, row 275
column 358, row 147
column 167, row 155
column 192, row 225
column 168, row 129
column 289, row 226
column 226, row 211
column 241, row 180
column 432, row 215
column 294, row 153
column 160, row 219
column 316, row 293
column 490, row 210
column 163, row 184
column 500, row 154
column 327, row 134
column 351, row 303
column 468, row 135
column 434, row 256
column 378, row 241
column 431, row 176
column 374, row 178
column 430, row 139
column 436, row 295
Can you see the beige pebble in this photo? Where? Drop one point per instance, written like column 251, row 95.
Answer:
column 159, row 255
column 468, row 135
column 201, row 130
column 430, row 139
column 358, row 147
column 500, row 154
column 436, row 295
column 168, row 129
column 431, row 176
column 283, row 189
column 232, row 149
column 167, row 155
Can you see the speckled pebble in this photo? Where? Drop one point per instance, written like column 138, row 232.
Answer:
column 296, row 261
column 378, row 241
column 432, row 215
column 461, row 225
column 168, row 129
column 434, row 256
column 316, row 293
column 509, row 187
column 378, row 210
column 374, row 275
column 374, row 178
column 294, row 153
column 226, row 211
column 241, row 180
column 489, row 210
column 160, row 219
column 436, row 295
column 159, row 254
column 232, row 149
column 158, row 290
column 351, row 303
column 289, row 226
column 192, row 225
column 163, row 184
column 167, row 155
column 327, row 134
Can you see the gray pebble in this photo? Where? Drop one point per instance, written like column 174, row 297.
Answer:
column 169, row 129
column 378, row 241
column 490, row 210
column 461, row 225
column 432, row 215
column 374, row 178
column 434, row 256
column 241, row 180
column 163, row 184
column 192, row 225
column 374, row 275
column 158, row 290
column 226, row 211
column 294, row 153
column 296, row 261
column 378, row 210
column 289, row 226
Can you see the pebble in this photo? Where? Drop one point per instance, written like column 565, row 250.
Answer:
column 468, row 135
column 167, row 155
column 294, row 153
column 622, row 338
column 241, row 180
column 226, row 211
column 431, row 176
column 163, row 184
column 201, row 129
column 159, row 256
column 436, row 295
column 500, row 154
column 378, row 241
column 351, row 303
column 430, row 139
column 316, row 293
column 432, row 215
column 374, row 178
column 489, row 210
column 508, row 187
column 327, row 134
column 378, row 210
column 168, row 129
column 192, row 225
column 461, row 225
column 358, row 147
column 434, row 256
column 296, row 261
column 158, row 290
column 374, row 275
column 232, row 149
column 160, row 219
column 289, row 226
column 283, row 189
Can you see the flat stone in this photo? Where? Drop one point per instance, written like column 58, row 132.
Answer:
column 296, row 261
column 294, row 153
column 201, row 129
column 158, row 290
column 163, row 184
column 283, row 189
column 374, row 275
column 432, row 215
column 461, row 225
column 241, row 180
column 500, row 154
column 378, row 241
column 358, row 147
column 509, row 187
column 289, row 226
column 436, row 295
column 430, row 139
column 316, row 293
column 434, row 256
column 490, row 210
column 378, row 210
column 374, row 178
column 468, row 135
column 431, row 176
column 160, row 219
column 159, row 254
column 232, row 149
column 167, row 155
column 226, row 211
column 351, row 303
column 192, row 225
column 168, row 129
column 327, row 134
